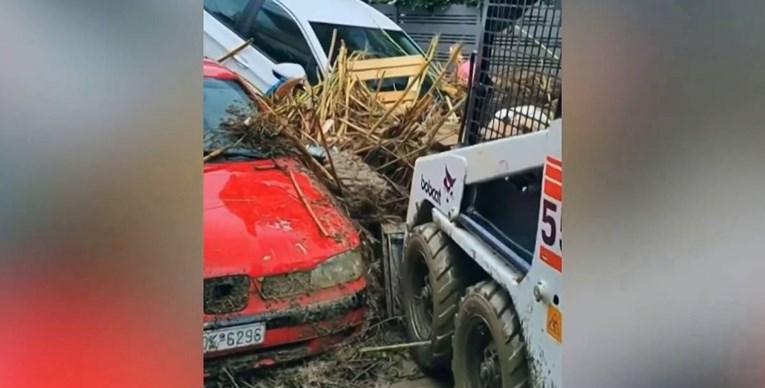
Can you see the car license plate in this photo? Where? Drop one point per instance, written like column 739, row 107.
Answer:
column 234, row 337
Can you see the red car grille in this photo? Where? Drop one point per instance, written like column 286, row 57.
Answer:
column 226, row 294
column 283, row 286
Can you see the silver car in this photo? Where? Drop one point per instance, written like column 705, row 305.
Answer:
column 297, row 32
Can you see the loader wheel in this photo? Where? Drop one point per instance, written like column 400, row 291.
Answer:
column 489, row 351
column 431, row 286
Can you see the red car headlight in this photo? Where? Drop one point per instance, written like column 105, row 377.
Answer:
column 336, row 270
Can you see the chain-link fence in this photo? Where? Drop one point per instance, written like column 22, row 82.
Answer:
column 516, row 86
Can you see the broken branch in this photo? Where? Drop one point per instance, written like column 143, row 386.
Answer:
column 394, row 347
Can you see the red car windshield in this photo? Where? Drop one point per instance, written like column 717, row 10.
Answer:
column 224, row 102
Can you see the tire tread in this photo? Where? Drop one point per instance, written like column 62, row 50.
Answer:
column 448, row 285
column 493, row 303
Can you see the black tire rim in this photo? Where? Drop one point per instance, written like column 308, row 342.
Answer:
column 421, row 308
column 482, row 359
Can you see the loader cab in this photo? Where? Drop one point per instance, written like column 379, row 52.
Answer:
column 483, row 276
column 504, row 213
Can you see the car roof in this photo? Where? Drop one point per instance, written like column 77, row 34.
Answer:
column 213, row 69
column 343, row 12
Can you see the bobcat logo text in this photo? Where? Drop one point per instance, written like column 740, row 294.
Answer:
column 431, row 190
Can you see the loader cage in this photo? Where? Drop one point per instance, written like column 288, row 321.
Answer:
column 517, row 66
column 515, row 89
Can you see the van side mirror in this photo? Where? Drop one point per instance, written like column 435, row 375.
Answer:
column 287, row 71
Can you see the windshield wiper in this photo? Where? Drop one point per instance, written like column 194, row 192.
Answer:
column 234, row 153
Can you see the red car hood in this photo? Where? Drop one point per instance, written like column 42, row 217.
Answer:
column 255, row 222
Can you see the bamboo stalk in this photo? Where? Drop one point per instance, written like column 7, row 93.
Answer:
column 355, row 119
column 235, row 50
column 221, row 150
column 421, row 149
column 394, row 347
column 305, row 202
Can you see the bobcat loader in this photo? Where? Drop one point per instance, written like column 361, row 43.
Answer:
column 476, row 269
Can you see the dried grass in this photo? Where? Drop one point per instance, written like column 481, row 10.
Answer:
column 370, row 147
column 345, row 367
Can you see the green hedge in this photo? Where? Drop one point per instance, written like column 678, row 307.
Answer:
column 427, row 3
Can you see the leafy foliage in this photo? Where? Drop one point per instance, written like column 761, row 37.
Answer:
column 427, row 3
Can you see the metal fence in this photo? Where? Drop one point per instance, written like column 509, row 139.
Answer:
column 516, row 87
column 453, row 24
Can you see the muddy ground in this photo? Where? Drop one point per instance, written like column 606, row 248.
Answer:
column 349, row 366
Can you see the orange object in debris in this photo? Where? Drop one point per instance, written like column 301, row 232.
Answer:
column 463, row 70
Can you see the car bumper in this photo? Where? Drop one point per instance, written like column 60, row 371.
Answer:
column 290, row 333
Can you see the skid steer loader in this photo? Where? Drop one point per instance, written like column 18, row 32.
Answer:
column 476, row 271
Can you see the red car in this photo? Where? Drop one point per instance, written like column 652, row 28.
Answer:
column 280, row 283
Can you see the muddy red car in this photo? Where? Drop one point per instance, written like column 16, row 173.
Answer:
column 280, row 283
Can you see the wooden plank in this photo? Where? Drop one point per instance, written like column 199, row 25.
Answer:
column 385, row 68
column 388, row 100
column 449, row 89
column 387, row 97
column 382, row 63
column 449, row 134
column 408, row 71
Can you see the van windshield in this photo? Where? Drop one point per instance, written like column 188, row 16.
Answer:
column 376, row 42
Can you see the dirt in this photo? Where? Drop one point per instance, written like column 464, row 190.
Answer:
column 366, row 194
column 421, row 383
column 344, row 367
column 287, row 285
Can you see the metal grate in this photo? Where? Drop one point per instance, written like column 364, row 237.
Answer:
column 453, row 24
column 516, row 87
column 393, row 248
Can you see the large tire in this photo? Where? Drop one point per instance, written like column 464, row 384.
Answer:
column 489, row 350
column 431, row 281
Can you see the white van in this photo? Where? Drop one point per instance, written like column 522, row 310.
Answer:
column 297, row 31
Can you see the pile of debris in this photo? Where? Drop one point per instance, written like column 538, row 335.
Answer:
column 362, row 144
column 363, row 148
column 360, row 138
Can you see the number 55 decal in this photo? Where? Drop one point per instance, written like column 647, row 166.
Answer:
column 551, row 244
column 547, row 208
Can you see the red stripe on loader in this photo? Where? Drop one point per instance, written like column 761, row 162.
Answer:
column 554, row 162
column 553, row 190
column 551, row 258
column 553, row 172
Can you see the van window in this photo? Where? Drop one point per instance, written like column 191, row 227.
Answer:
column 228, row 12
column 279, row 37
column 376, row 42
